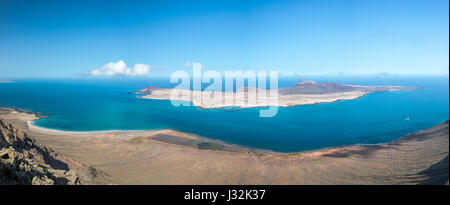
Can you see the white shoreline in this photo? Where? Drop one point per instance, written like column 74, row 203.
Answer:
column 33, row 127
column 43, row 130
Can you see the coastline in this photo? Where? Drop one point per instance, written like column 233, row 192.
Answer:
column 249, row 107
column 302, row 93
column 171, row 157
column 127, row 133
column 281, row 101
column 131, row 133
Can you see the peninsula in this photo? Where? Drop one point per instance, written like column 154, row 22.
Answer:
column 303, row 93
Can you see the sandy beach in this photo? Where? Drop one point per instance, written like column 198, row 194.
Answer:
column 171, row 157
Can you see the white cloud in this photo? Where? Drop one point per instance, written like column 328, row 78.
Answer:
column 187, row 64
column 120, row 69
column 141, row 69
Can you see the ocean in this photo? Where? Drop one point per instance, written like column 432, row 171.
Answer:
column 88, row 104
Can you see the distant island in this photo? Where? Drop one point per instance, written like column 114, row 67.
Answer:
column 302, row 93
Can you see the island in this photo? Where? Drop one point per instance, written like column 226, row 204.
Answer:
column 304, row 92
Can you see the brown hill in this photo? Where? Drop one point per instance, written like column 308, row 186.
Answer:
column 311, row 87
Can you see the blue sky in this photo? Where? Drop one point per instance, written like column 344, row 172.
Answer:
column 312, row 37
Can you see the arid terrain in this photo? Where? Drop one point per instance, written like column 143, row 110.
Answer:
column 172, row 157
column 303, row 93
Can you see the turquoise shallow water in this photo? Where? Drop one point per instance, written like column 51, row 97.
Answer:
column 101, row 104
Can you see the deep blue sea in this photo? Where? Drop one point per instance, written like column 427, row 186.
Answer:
column 105, row 104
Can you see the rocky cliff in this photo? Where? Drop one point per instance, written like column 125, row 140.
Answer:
column 24, row 161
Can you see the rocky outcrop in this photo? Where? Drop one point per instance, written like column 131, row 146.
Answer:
column 24, row 161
